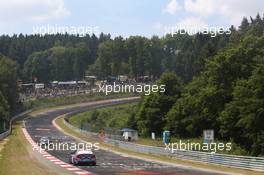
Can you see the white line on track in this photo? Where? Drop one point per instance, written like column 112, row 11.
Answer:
column 53, row 159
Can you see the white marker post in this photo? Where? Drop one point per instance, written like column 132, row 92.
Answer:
column 153, row 135
column 208, row 136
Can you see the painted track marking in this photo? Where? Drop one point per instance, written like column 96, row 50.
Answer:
column 53, row 159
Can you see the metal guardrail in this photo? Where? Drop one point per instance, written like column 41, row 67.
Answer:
column 8, row 132
column 245, row 162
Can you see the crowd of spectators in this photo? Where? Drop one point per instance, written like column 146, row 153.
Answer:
column 33, row 91
column 30, row 92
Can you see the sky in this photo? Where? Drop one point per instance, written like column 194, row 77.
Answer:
column 121, row 17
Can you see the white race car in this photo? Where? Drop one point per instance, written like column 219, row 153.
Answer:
column 82, row 157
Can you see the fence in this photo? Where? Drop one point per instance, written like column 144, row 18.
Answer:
column 8, row 132
column 245, row 162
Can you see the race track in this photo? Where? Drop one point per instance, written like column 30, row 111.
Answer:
column 108, row 163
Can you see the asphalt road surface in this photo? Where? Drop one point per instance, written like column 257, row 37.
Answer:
column 107, row 162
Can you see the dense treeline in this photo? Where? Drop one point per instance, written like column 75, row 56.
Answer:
column 66, row 57
column 58, row 63
column 138, row 56
column 226, row 96
column 8, row 90
column 30, row 50
column 211, row 82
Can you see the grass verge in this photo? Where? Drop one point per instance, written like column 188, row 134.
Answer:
column 67, row 100
column 117, row 116
column 123, row 116
column 16, row 157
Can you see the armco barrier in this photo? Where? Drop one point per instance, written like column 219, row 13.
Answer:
column 245, row 162
column 7, row 133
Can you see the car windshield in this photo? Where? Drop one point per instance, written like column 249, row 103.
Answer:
column 85, row 156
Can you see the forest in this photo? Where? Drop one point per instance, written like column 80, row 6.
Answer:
column 226, row 96
column 63, row 57
column 211, row 82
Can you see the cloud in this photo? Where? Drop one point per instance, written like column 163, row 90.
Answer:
column 235, row 10
column 232, row 10
column 201, row 7
column 32, row 10
column 191, row 23
column 172, row 7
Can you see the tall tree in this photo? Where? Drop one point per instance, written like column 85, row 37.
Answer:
column 153, row 108
column 8, row 81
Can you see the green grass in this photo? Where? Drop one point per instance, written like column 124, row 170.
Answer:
column 16, row 156
column 59, row 101
column 115, row 117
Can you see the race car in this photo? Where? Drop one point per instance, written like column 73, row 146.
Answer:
column 82, row 157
